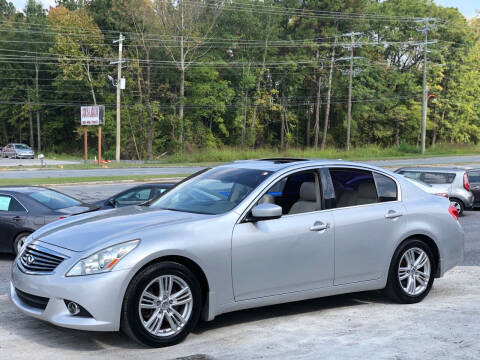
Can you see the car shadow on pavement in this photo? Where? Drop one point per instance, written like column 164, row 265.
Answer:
column 292, row 308
column 52, row 336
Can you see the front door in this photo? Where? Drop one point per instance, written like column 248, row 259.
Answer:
column 288, row 254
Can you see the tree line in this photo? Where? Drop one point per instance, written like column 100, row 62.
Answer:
column 239, row 73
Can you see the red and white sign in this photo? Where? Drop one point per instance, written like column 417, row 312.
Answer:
column 92, row 115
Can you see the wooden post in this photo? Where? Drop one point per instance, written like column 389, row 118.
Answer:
column 99, row 144
column 85, row 144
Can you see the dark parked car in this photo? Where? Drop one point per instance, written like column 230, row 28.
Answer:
column 134, row 196
column 474, row 181
column 26, row 209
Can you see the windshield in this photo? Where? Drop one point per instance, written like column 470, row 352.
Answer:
column 215, row 191
column 53, row 200
column 22, row 147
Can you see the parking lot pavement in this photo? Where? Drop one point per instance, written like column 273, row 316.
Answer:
column 359, row 326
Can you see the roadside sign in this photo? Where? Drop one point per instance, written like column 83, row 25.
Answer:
column 93, row 115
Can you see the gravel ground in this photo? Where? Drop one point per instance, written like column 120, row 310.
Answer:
column 359, row 326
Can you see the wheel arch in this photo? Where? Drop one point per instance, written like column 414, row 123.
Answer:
column 431, row 244
column 193, row 267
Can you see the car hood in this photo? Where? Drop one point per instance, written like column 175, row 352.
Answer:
column 86, row 231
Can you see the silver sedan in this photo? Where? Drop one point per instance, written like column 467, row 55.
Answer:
column 237, row 236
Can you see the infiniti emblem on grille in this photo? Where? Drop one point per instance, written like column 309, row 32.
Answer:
column 29, row 259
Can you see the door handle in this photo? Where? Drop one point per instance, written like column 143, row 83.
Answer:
column 392, row 214
column 17, row 218
column 319, row 226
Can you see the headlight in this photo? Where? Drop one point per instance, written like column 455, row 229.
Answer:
column 103, row 260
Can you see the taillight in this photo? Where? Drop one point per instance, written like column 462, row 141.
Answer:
column 453, row 211
column 62, row 217
column 445, row 195
column 466, row 185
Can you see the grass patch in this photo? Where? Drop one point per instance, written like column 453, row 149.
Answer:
column 370, row 152
column 85, row 179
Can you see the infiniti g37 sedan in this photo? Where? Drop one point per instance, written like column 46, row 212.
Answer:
column 237, row 236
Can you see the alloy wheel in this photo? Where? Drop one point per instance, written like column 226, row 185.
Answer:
column 165, row 305
column 20, row 243
column 414, row 271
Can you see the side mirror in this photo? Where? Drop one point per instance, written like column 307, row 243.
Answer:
column 266, row 212
column 112, row 202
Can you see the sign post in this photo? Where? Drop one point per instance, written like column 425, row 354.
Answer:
column 93, row 115
column 85, row 145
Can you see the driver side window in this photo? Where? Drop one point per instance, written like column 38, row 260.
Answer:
column 295, row 194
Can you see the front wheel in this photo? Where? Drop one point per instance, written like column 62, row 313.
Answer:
column 162, row 305
column 411, row 272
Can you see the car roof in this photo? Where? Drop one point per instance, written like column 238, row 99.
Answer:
column 277, row 164
column 22, row 189
column 435, row 169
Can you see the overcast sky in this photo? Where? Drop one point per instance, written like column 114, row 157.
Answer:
column 466, row 7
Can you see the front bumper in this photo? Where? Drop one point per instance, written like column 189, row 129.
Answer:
column 101, row 295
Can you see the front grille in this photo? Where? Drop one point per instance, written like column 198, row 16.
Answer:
column 35, row 301
column 39, row 260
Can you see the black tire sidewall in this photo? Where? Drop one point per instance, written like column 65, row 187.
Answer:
column 462, row 206
column 130, row 318
column 394, row 287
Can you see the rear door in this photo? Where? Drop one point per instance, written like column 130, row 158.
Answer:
column 368, row 218
column 12, row 220
column 474, row 181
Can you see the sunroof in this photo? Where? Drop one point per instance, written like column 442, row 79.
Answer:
column 283, row 160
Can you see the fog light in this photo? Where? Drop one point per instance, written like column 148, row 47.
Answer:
column 73, row 308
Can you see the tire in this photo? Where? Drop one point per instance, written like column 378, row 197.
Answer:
column 458, row 204
column 398, row 290
column 18, row 242
column 135, row 320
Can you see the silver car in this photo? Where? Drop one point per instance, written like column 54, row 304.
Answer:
column 18, row 151
column 454, row 180
column 237, row 236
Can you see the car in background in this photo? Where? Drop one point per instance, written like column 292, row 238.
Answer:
column 454, row 179
column 26, row 209
column 429, row 188
column 241, row 235
column 18, row 151
column 474, row 181
column 134, row 196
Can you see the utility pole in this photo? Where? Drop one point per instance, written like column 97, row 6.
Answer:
column 119, row 77
column 427, row 27
column 350, row 74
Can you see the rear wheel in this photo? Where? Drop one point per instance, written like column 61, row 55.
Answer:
column 19, row 242
column 162, row 305
column 411, row 272
column 458, row 204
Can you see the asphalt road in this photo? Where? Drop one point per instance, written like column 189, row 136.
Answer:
column 444, row 326
column 39, row 173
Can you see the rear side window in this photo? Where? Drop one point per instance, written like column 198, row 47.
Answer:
column 437, row 178
column 353, row 187
column 474, row 177
column 386, row 188
column 8, row 203
column 411, row 174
